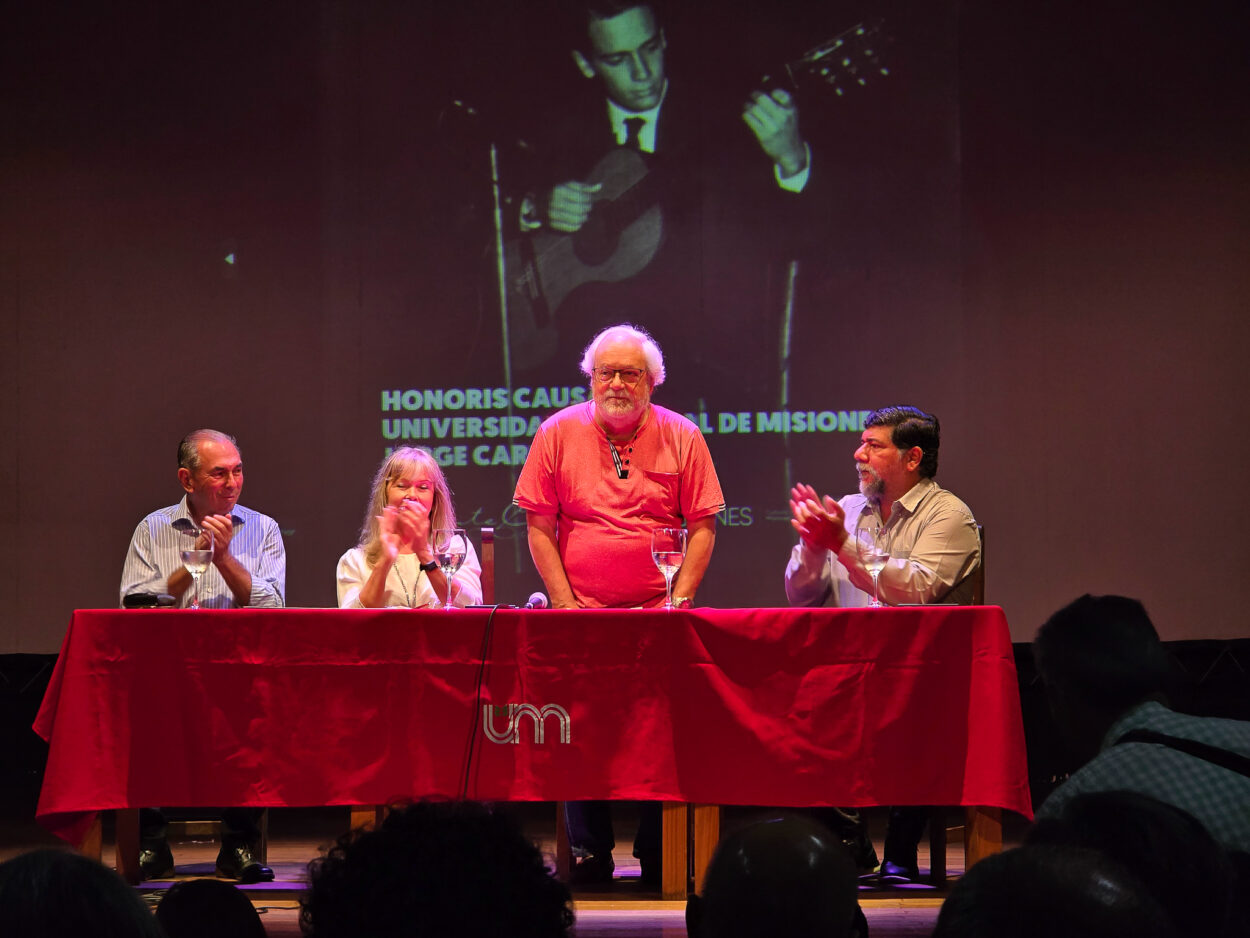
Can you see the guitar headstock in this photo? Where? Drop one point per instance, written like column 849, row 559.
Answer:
column 847, row 62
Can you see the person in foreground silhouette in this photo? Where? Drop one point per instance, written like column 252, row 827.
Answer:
column 783, row 877
column 54, row 893
column 1051, row 891
column 1167, row 849
column 208, row 908
column 435, row 869
column 1106, row 675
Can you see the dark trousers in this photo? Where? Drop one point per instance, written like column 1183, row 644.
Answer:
column 590, row 828
column 903, row 833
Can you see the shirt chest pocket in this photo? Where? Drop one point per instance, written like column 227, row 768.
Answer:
column 660, row 496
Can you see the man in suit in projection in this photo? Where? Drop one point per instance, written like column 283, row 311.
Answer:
column 933, row 546
column 696, row 206
column 624, row 49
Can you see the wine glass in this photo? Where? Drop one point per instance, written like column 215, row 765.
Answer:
column 873, row 555
column 196, row 559
column 449, row 550
column 668, row 550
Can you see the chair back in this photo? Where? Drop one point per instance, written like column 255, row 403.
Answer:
column 487, row 558
column 978, row 575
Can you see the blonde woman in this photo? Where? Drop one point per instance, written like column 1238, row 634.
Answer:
column 394, row 563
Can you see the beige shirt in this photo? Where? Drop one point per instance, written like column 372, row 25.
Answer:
column 933, row 544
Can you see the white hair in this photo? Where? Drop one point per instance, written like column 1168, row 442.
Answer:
column 627, row 333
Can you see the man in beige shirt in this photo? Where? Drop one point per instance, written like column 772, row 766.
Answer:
column 933, row 546
column 929, row 533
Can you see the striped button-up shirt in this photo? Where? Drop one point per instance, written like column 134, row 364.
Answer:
column 155, row 555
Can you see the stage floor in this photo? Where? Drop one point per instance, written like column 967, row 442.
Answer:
column 623, row 908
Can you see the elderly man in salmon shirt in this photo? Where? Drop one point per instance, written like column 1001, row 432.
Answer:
column 601, row 475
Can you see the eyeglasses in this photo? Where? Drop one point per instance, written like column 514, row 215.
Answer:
column 629, row 376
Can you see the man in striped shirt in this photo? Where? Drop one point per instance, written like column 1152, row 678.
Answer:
column 249, row 562
column 248, row 568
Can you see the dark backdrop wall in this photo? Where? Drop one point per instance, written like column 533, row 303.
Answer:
column 278, row 221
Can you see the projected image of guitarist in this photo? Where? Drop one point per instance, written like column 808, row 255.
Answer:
column 647, row 186
column 625, row 51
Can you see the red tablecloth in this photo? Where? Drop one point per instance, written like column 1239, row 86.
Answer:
column 736, row 706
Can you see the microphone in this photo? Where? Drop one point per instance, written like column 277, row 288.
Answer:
column 536, row 601
column 147, row 600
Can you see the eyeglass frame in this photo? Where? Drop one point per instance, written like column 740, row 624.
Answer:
column 612, row 373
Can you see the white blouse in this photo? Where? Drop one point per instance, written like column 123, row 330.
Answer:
column 406, row 583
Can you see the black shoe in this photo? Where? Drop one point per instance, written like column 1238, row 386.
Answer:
column 237, row 862
column 156, row 860
column 849, row 827
column 893, row 873
column 862, row 852
column 596, row 868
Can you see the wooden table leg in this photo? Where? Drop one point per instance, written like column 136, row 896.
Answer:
column 92, row 843
column 368, row 816
column 128, row 845
column 983, row 834
column 705, row 835
column 675, row 857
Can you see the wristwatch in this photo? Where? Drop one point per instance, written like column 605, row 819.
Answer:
column 681, row 602
column 430, row 567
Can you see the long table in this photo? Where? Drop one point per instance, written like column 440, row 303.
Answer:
column 316, row 707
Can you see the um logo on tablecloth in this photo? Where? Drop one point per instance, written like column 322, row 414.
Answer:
column 511, row 733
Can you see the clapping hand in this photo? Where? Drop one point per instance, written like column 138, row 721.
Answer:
column 819, row 521
column 215, row 532
column 407, row 523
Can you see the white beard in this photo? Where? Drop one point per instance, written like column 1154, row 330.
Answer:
column 871, row 487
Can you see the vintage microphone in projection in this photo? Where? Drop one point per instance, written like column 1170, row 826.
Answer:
column 463, row 117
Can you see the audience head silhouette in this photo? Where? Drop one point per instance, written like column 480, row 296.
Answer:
column 1098, row 657
column 786, row 877
column 1173, row 855
column 1051, row 891
column 58, row 894
column 435, row 869
column 208, row 908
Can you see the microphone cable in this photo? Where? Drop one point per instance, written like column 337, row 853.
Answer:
column 487, row 635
